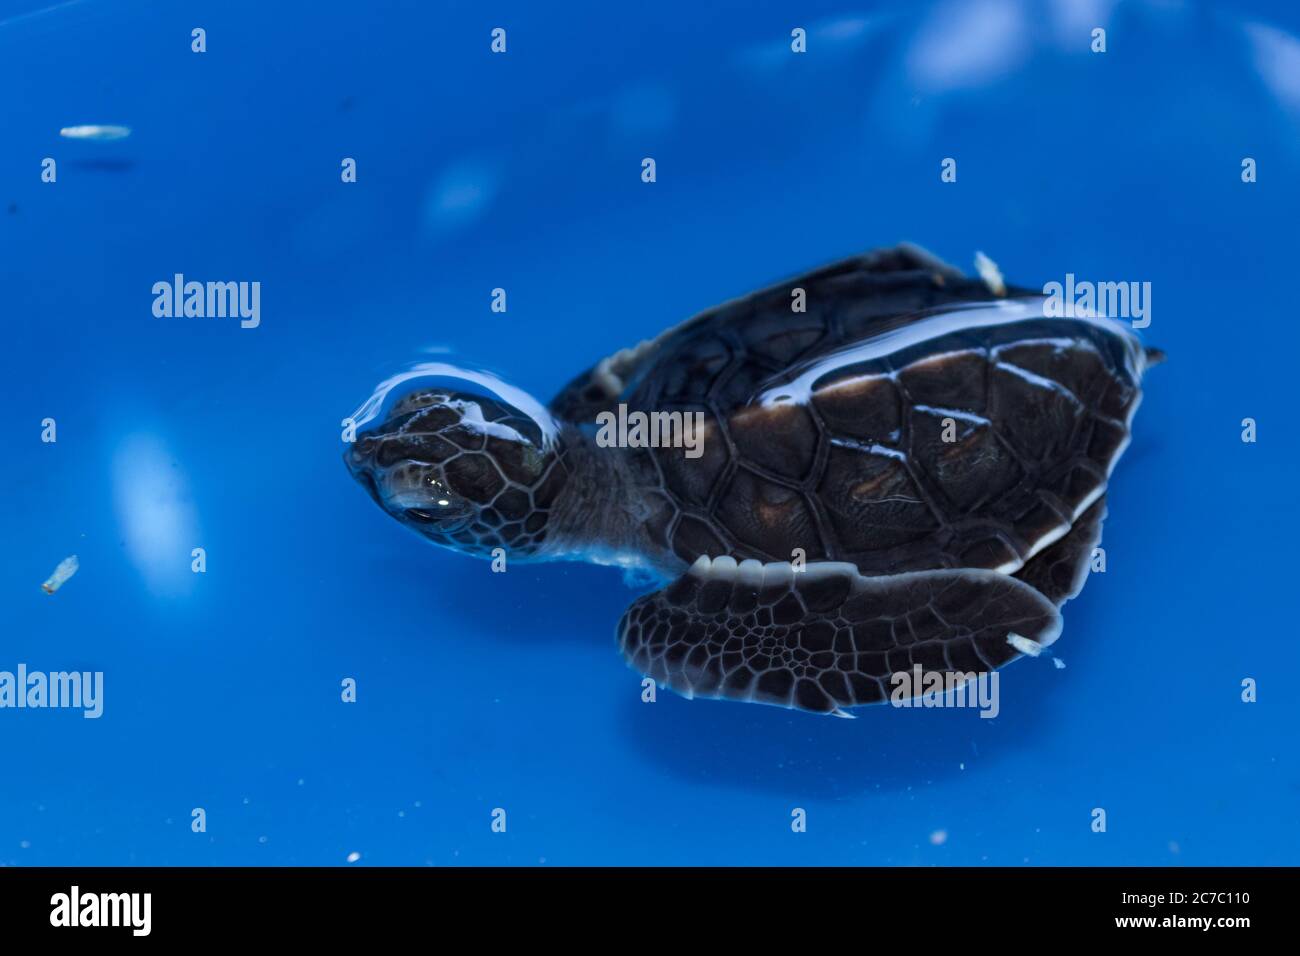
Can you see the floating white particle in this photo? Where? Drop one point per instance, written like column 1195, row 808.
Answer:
column 990, row 273
column 1024, row 645
column 66, row 569
column 95, row 132
column 354, row 856
column 939, row 837
column 1058, row 663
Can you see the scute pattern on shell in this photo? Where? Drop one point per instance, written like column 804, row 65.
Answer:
column 969, row 456
column 859, row 469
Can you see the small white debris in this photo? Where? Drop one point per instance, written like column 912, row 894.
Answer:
column 1058, row 663
column 939, row 837
column 990, row 273
column 1024, row 645
column 95, row 132
column 66, row 569
column 354, row 856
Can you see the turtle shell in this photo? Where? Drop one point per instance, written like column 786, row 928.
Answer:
column 909, row 419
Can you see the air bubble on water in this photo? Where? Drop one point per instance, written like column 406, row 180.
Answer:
column 439, row 375
column 354, row 856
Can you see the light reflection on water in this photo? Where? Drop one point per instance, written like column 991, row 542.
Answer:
column 156, row 514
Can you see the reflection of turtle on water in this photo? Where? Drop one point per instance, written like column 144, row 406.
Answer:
column 909, row 471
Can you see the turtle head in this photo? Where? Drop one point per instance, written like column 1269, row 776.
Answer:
column 466, row 470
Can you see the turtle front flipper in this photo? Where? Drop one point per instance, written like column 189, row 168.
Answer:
column 826, row 638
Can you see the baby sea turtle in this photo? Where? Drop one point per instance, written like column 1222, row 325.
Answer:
column 908, row 470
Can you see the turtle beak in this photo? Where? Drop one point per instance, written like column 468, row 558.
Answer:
column 360, row 453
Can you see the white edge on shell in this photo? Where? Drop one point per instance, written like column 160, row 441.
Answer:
column 950, row 320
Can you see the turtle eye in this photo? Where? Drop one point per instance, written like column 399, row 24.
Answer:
column 438, row 504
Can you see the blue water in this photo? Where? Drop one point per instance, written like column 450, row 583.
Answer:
column 479, row 691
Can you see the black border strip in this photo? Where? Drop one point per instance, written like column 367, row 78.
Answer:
column 731, row 905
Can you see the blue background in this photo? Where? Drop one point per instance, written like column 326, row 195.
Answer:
column 522, row 171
